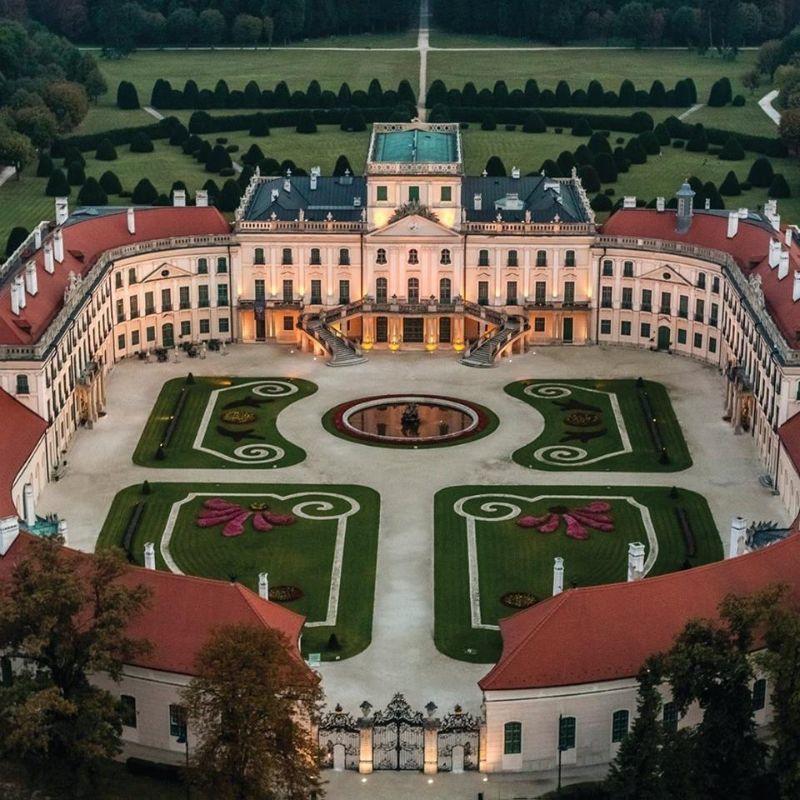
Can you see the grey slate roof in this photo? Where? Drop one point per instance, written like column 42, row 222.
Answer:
column 334, row 195
column 543, row 197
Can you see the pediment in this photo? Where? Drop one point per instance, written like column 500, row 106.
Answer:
column 657, row 273
column 412, row 226
column 171, row 271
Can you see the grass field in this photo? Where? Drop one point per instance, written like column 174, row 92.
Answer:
column 579, row 418
column 515, row 559
column 252, row 441
column 300, row 554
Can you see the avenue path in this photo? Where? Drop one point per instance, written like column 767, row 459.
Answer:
column 402, row 656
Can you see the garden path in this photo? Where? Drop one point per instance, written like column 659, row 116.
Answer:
column 695, row 107
column 766, row 106
column 423, row 46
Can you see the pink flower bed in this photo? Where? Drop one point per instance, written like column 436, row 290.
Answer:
column 595, row 515
column 233, row 516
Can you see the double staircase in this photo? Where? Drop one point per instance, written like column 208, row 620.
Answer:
column 343, row 351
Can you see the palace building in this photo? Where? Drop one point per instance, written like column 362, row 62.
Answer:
column 415, row 255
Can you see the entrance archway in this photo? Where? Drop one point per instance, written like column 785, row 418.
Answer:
column 664, row 337
column 167, row 335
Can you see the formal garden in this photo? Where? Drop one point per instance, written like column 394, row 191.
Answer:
column 317, row 543
column 605, row 425
column 221, row 422
column 494, row 549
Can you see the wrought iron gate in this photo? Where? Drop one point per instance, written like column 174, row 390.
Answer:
column 398, row 737
column 339, row 740
column 458, row 742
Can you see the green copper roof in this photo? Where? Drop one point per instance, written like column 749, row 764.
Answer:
column 415, row 147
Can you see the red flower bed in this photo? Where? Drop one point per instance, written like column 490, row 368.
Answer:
column 217, row 511
column 595, row 515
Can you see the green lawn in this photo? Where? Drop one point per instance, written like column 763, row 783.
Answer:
column 299, row 554
column 251, row 441
column 515, row 559
column 581, row 431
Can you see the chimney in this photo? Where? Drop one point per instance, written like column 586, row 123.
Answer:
column 14, row 299
column 201, row 198
column 179, row 198
column 49, row 265
column 315, row 174
column 733, row 225
column 9, row 530
column 62, row 210
column 635, row 561
column 62, row 530
column 19, row 282
column 263, row 585
column 707, row 204
column 796, row 286
column 477, row 202
column 660, row 204
column 629, row 201
column 131, row 221
column 738, row 532
column 774, row 252
column 787, row 237
column 515, row 172
column 783, row 267
column 37, row 237
column 771, row 206
column 743, row 213
column 31, row 278
column 312, row 185
column 149, row 555
column 558, row 575
column 58, row 245
column 274, row 195
column 28, row 505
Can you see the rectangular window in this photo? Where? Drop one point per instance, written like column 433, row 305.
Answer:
column 382, row 194
column 121, row 341
column 166, row 300
column 627, row 297
column 625, row 328
column 681, row 336
column 447, row 194
column 683, row 306
column 134, row 301
column 513, row 260
column 316, row 291
column 445, row 327
column 177, row 721
column 202, row 266
column 566, row 733
column 149, row 303
column 538, row 324
column 540, row 293
column 128, row 710
column 699, row 310
column 258, row 255
column 413, row 194
column 222, row 264
column 644, row 330
column 608, row 268
column 666, row 303
column 605, row 296
column 132, row 275
column 286, row 257
column 512, row 738
column 344, row 257
column 224, row 325
column 150, row 333
column 670, row 717
column 569, row 258
column 118, row 280
column 713, row 317
column 134, row 338
column 186, row 327
column 413, row 329
column 288, row 322
column 202, row 295
column 288, row 290
column 627, row 269
column 222, row 294
column 483, row 258
column 712, row 345
column 541, row 258
column 569, row 293
column 120, row 311
column 205, row 326
column 511, row 293
column 183, row 297
column 619, row 725
column 647, row 300
column 698, row 340
column 483, row 293
column 715, row 285
column 260, row 289
column 605, row 326
column 759, row 694
column 344, row 292
column 701, row 280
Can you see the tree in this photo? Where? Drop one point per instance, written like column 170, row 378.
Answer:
column 342, row 167
column 38, row 123
column 635, row 152
column 45, row 166
column 289, row 19
column 730, row 185
column 253, row 704
column 144, row 193
column 57, row 185
column 183, row 26
column 789, row 129
column 106, row 151
column 488, row 121
column 218, row 159
column 76, row 176
column 269, row 30
column 95, row 84
column 779, row 188
column 698, row 141
column 495, row 168
column 68, row 101
column 534, row 123
column 127, row 96
column 353, row 120
column 634, row 21
column 713, row 195
column 228, row 199
column 15, row 238
column 582, row 127
column 589, row 178
column 732, row 150
column 92, row 194
column 212, row 23
column 761, row 173
column 721, row 93
column 141, row 143
column 769, row 58
column 606, row 167
column 246, row 29
column 15, row 149
column 110, row 183
column 65, row 616
column 305, row 122
column 751, row 80
column 636, row 772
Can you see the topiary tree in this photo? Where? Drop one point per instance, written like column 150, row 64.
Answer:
column 73, row 154
column 721, row 93
column 627, row 93
column 551, row 169
column 106, row 151
column 658, row 94
column 488, row 122
column 583, row 155
column 582, row 127
column 228, row 199
column 439, row 113
column 601, row 203
column 779, row 187
column 566, row 161
column 495, row 168
column 110, row 183
column 598, row 143
column 353, row 120
column 732, row 150
column 662, row 134
column 730, row 185
column 635, row 152
column 17, row 236
column 698, row 141
column 342, row 167
column 563, row 94
column 127, row 96
column 713, row 196
column 534, row 123
column 92, row 194
column 260, row 127
column 253, row 155
column 218, row 159
column 589, row 178
column 606, row 167
column 45, row 166
column 761, row 173
column 305, row 123
column 141, row 143
column 76, row 175
column 650, row 143
column 144, row 193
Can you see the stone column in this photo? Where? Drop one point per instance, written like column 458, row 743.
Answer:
column 482, row 745
column 558, row 575
column 737, row 536
column 28, row 505
column 430, row 728
column 365, row 765
column 149, row 555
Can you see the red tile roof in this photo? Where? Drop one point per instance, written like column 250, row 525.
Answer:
column 789, row 435
column 750, row 249
column 84, row 242
column 603, row 633
column 20, row 432
column 182, row 611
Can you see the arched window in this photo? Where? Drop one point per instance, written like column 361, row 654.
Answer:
column 202, row 266
column 380, row 257
column 381, row 290
column 445, row 257
column 413, row 290
column 22, row 384
column 315, row 260
column 483, row 258
column 413, row 256
column 258, row 255
column 619, row 725
column 627, row 269
column 512, row 738
column 569, row 258
column 445, row 290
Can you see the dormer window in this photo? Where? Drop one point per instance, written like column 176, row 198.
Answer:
column 413, row 256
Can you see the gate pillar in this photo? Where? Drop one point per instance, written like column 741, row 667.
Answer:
column 431, row 745
column 365, row 749
column 482, row 747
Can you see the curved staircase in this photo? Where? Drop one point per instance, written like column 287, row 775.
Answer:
column 343, row 351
